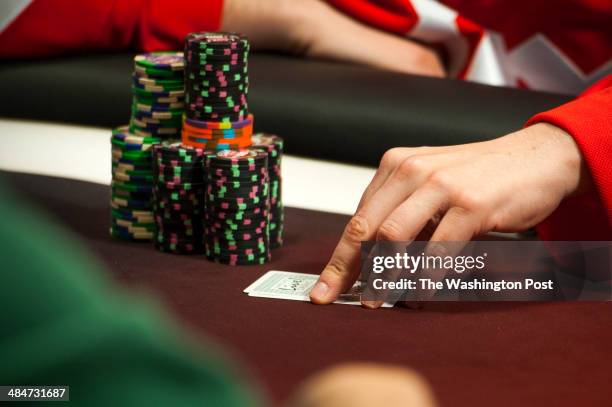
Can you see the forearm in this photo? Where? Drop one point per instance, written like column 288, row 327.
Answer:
column 313, row 28
column 277, row 25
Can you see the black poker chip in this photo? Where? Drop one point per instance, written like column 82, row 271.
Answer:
column 214, row 66
column 234, row 83
column 238, row 171
column 178, row 198
column 222, row 71
column 207, row 89
column 217, row 117
column 230, row 226
column 182, row 247
column 236, row 159
column 195, row 172
column 177, row 151
column 237, row 240
column 233, row 224
column 237, row 207
column 273, row 145
column 222, row 110
column 241, row 261
column 224, row 79
column 174, row 211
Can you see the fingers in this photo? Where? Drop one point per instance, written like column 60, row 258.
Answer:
column 411, row 216
column 456, row 229
column 388, row 163
column 407, row 221
column 424, row 158
column 342, row 270
column 401, row 173
column 457, row 225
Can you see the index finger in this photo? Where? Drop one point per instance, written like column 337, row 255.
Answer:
column 343, row 268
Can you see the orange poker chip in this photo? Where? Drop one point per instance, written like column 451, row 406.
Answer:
column 213, row 132
column 220, row 125
column 213, row 145
column 216, row 143
column 197, row 137
column 203, row 141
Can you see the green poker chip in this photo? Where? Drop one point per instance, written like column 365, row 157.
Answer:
column 161, row 60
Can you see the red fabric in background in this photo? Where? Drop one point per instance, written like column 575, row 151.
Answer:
column 56, row 27
column 389, row 15
column 581, row 29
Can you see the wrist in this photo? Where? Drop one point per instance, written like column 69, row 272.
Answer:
column 569, row 157
column 561, row 161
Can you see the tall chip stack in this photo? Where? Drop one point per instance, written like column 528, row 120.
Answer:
column 217, row 119
column 178, row 196
column 217, row 85
column 273, row 145
column 157, row 108
column 237, row 207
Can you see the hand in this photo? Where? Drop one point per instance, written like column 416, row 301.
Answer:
column 361, row 384
column 314, row 29
column 508, row 184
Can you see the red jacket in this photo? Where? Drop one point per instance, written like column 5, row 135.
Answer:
column 56, row 27
column 566, row 47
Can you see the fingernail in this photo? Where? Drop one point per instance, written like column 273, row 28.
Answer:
column 371, row 304
column 319, row 291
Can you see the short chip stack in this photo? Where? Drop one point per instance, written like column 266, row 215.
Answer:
column 178, row 193
column 131, row 186
column 216, row 85
column 237, row 207
column 273, row 145
column 158, row 88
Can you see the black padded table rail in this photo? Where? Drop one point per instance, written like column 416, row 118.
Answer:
column 323, row 109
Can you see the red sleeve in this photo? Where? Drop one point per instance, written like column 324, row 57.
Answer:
column 397, row 16
column 588, row 120
column 57, row 27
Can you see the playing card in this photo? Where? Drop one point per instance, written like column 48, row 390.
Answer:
column 288, row 285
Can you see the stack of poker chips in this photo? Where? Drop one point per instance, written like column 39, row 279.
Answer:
column 273, row 145
column 131, row 186
column 158, row 89
column 157, row 108
column 178, row 196
column 216, row 88
column 237, row 207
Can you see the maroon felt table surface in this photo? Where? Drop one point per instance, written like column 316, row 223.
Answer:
column 473, row 354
